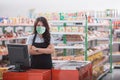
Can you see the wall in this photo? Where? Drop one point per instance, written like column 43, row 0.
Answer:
column 21, row 7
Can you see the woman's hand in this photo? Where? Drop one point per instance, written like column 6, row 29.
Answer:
column 36, row 51
column 49, row 50
column 33, row 48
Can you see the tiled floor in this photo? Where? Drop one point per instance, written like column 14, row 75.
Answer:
column 115, row 75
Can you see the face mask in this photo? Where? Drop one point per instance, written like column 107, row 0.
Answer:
column 40, row 29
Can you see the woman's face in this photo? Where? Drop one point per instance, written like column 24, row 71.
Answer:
column 40, row 28
column 40, row 23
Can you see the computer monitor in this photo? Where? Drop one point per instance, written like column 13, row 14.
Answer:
column 18, row 56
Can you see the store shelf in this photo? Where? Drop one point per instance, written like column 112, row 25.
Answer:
column 73, row 42
column 108, row 18
column 92, row 39
column 68, row 47
column 104, row 30
column 15, row 38
column 103, row 74
column 115, row 54
column 101, row 62
column 116, row 66
column 97, row 24
column 117, row 30
column 16, row 24
column 69, row 33
column 102, row 38
column 22, row 37
column 92, row 53
column 115, row 42
column 64, row 21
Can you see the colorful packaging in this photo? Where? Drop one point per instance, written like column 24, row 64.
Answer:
column 74, row 29
column 61, row 29
column 68, row 29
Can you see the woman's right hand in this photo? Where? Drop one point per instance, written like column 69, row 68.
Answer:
column 34, row 48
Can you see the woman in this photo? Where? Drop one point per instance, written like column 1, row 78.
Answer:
column 40, row 45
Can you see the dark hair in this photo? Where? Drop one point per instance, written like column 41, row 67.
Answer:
column 46, row 35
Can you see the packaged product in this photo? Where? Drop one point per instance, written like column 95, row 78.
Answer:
column 68, row 29
column 54, row 29
column 61, row 29
column 74, row 29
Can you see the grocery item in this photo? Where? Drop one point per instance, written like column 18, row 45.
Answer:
column 3, row 50
column 68, row 29
column 74, row 29
column 81, row 29
column 54, row 29
column 78, row 58
column 61, row 29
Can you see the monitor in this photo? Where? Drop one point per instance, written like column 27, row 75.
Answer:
column 18, row 56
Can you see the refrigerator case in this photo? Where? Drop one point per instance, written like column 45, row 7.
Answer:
column 72, row 70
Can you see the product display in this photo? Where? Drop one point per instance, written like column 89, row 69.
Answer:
column 116, row 52
column 64, row 16
column 2, row 70
column 16, row 21
column 116, row 24
column 15, row 34
column 78, row 58
column 80, row 52
column 3, row 50
column 67, row 29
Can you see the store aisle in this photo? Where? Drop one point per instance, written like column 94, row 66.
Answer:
column 113, row 76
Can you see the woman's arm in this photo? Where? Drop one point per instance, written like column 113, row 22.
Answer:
column 32, row 50
column 35, row 51
column 49, row 50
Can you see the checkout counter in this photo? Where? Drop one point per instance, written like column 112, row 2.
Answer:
column 62, row 70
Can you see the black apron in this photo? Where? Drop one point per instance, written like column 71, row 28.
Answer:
column 42, row 61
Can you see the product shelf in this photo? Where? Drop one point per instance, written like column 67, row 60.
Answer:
column 115, row 54
column 16, row 24
column 103, row 74
column 68, row 47
column 92, row 53
column 69, row 42
column 68, row 33
column 85, row 41
column 116, row 42
column 14, row 38
column 101, row 62
column 65, row 21
column 97, row 24
column 102, row 38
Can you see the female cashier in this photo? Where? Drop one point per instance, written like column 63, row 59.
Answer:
column 40, row 45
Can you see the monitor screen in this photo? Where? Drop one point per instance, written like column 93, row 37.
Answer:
column 18, row 55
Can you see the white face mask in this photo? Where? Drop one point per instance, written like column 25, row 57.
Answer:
column 40, row 29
